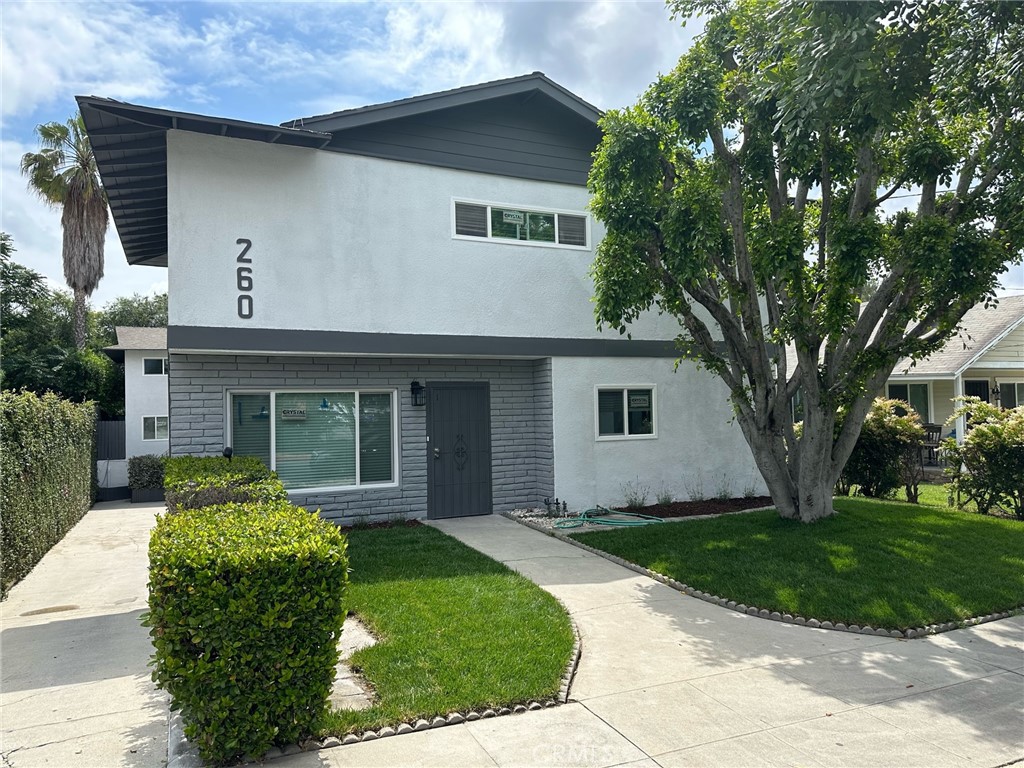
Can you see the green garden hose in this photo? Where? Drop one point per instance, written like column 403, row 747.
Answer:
column 597, row 516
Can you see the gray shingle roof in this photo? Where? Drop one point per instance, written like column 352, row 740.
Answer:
column 979, row 329
column 130, row 337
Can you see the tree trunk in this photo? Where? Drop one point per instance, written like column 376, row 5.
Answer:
column 80, row 318
column 800, row 490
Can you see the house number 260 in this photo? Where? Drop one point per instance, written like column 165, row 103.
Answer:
column 243, row 278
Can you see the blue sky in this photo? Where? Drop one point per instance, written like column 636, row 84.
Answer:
column 271, row 62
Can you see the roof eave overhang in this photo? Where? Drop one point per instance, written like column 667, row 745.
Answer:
column 130, row 145
column 526, row 86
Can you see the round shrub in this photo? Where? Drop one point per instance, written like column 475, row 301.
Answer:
column 146, row 471
column 888, row 450
column 988, row 467
column 245, row 612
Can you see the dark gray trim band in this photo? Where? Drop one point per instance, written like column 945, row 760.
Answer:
column 281, row 340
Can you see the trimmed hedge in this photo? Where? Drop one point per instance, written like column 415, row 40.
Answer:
column 46, row 470
column 146, row 471
column 245, row 612
column 192, row 482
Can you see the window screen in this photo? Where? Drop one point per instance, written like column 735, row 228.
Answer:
column 154, row 366
column 471, row 220
column 572, row 230
column 375, row 435
column 610, row 420
column 250, row 426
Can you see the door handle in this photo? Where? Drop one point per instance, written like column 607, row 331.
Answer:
column 437, row 453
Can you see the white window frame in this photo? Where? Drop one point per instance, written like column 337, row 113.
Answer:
column 163, row 366
column 1001, row 382
column 625, row 413
column 526, row 209
column 929, row 389
column 396, row 471
column 155, row 428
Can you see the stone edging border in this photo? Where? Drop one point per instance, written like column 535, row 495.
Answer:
column 750, row 610
column 180, row 754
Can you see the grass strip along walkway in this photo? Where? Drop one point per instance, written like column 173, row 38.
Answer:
column 457, row 630
column 881, row 563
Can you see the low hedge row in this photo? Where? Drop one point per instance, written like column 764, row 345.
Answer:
column 246, row 605
column 46, row 470
column 193, row 482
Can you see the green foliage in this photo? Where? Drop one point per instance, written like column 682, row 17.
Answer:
column 46, row 468
column 988, row 467
column 245, row 613
column 146, row 471
column 137, row 311
column 888, row 451
column 749, row 194
column 191, row 482
column 38, row 344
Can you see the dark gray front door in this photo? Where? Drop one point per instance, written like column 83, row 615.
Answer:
column 458, row 449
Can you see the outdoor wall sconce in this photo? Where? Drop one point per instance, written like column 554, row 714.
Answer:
column 418, row 392
column 996, row 401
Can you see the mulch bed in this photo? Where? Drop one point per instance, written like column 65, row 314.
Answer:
column 706, row 507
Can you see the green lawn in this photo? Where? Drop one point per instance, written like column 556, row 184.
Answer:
column 881, row 563
column 457, row 630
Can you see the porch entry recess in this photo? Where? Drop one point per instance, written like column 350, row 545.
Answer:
column 458, row 449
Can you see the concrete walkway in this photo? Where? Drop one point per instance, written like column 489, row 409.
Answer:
column 75, row 690
column 664, row 679
column 668, row 680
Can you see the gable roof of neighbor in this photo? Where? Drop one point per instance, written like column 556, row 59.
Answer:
column 134, row 337
column 981, row 329
column 526, row 127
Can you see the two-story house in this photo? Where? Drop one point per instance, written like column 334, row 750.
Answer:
column 391, row 305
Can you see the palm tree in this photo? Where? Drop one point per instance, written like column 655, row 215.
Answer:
column 64, row 174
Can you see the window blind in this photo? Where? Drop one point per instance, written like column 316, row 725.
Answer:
column 572, row 230
column 250, row 426
column 609, row 412
column 375, row 435
column 315, row 438
column 471, row 220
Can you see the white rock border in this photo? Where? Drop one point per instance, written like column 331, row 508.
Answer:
column 763, row 613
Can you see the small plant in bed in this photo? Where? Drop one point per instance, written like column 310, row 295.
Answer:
column 881, row 563
column 457, row 631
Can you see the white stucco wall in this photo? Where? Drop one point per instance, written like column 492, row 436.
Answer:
column 697, row 442
column 143, row 396
column 348, row 243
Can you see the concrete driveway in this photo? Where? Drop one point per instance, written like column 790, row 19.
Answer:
column 668, row 680
column 75, row 691
column 664, row 679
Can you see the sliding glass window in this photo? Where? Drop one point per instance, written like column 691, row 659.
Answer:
column 321, row 439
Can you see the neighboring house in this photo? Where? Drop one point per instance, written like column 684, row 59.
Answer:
column 391, row 305
column 143, row 351
column 986, row 360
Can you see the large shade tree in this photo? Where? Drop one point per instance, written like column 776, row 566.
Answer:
column 63, row 173
column 746, row 194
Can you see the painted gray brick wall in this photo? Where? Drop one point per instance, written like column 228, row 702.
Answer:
column 521, row 420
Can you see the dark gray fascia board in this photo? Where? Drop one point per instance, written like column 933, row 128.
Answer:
column 431, row 102
column 291, row 341
column 166, row 119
